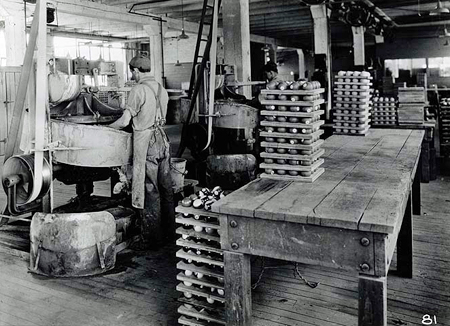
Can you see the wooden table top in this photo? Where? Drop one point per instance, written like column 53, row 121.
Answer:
column 365, row 186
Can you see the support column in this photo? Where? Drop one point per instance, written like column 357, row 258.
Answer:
column 372, row 301
column 156, row 34
column 301, row 64
column 322, row 49
column 236, row 33
column 238, row 289
column 359, row 47
column 16, row 39
column 405, row 264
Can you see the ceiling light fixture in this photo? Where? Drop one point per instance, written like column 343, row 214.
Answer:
column 266, row 47
column 439, row 9
column 177, row 64
column 183, row 35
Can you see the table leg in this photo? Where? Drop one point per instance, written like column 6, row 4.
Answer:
column 405, row 244
column 238, row 291
column 372, row 301
column 417, row 210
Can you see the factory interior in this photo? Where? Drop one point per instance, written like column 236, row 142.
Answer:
column 224, row 162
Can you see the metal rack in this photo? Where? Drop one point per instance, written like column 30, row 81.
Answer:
column 201, row 268
column 292, row 144
column 351, row 113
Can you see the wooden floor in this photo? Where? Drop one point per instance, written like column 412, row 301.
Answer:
column 141, row 289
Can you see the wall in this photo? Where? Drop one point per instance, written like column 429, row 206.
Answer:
column 183, row 51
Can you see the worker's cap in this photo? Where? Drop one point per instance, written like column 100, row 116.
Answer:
column 141, row 61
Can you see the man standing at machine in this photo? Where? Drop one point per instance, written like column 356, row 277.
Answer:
column 271, row 71
column 152, row 192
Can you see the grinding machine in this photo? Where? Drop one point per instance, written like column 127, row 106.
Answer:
column 83, row 151
column 79, row 238
column 223, row 134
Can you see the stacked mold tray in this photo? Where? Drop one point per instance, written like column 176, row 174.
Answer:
column 201, row 266
column 352, row 103
column 291, row 146
column 411, row 107
column 384, row 111
column 444, row 126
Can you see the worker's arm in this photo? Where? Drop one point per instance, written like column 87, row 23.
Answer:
column 123, row 121
column 132, row 108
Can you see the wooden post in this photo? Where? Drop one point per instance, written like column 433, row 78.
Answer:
column 322, row 46
column 156, row 49
column 425, row 158
column 238, row 291
column 405, row 244
column 359, row 46
column 301, row 64
column 236, row 33
column 372, row 301
column 416, row 193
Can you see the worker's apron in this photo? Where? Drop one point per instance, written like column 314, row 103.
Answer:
column 142, row 139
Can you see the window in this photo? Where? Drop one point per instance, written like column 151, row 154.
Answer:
column 439, row 66
column 397, row 66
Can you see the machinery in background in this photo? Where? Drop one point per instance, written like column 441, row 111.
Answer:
column 83, row 151
column 233, row 121
column 223, row 141
column 65, row 141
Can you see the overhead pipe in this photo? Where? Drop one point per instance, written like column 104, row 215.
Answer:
column 435, row 23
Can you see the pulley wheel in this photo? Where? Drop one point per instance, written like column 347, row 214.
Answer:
column 23, row 166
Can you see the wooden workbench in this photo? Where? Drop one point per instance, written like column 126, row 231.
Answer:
column 350, row 218
column 428, row 154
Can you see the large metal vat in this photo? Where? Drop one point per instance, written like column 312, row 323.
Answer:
column 91, row 145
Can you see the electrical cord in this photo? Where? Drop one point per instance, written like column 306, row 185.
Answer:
column 296, row 271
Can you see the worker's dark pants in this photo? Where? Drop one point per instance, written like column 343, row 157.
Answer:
column 157, row 220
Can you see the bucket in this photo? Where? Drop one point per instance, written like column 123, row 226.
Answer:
column 178, row 171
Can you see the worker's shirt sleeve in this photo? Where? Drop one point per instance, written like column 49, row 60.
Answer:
column 135, row 100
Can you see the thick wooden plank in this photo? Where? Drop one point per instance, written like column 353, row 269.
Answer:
column 245, row 201
column 297, row 242
column 238, row 291
column 296, row 201
column 372, row 301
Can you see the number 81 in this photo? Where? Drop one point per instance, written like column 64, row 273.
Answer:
column 427, row 320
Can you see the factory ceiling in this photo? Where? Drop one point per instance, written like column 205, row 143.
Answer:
column 288, row 22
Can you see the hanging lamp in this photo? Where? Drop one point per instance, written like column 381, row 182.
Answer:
column 177, row 64
column 183, row 35
column 266, row 47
